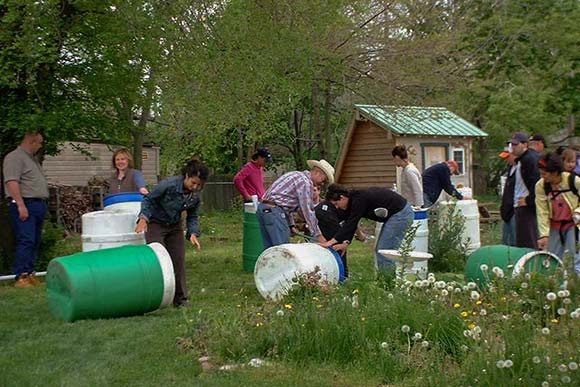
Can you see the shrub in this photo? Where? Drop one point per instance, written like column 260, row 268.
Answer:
column 446, row 242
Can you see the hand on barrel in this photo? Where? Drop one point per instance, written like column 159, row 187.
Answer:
column 194, row 241
column 141, row 226
column 543, row 243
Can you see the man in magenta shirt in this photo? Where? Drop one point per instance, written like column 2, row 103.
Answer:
column 249, row 180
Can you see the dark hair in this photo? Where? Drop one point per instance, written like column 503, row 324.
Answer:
column 195, row 167
column 335, row 191
column 551, row 162
column 401, row 151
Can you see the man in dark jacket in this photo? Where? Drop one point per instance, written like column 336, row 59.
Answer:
column 527, row 175
column 437, row 178
column 506, row 210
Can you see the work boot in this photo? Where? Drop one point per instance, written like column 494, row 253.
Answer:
column 33, row 280
column 23, row 281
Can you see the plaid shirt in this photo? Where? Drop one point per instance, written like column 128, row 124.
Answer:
column 293, row 191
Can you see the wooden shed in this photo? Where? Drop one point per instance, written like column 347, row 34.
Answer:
column 432, row 135
column 79, row 162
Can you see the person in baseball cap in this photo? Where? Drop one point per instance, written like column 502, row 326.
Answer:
column 437, row 178
column 249, row 181
column 537, row 142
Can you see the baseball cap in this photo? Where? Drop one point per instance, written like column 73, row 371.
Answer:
column 264, row 152
column 538, row 137
column 518, row 138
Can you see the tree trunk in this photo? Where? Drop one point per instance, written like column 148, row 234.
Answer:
column 139, row 131
column 326, row 144
column 316, row 119
column 297, row 117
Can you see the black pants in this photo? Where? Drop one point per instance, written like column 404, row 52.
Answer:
column 526, row 227
column 172, row 238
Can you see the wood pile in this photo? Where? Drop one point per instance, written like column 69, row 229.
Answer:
column 68, row 204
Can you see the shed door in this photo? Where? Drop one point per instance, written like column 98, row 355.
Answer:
column 434, row 154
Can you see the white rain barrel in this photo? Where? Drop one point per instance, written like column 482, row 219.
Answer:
column 470, row 211
column 104, row 229
column 124, row 201
column 421, row 241
column 278, row 267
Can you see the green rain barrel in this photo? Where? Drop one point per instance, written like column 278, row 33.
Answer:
column 252, row 245
column 512, row 260
column 115, row 282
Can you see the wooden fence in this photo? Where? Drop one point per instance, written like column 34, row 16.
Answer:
column 219, row 194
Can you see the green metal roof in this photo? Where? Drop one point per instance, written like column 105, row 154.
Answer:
column 423, row 121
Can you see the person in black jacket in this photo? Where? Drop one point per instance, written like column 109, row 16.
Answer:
column 437, row 178
column 506, row 210
column 330, row 220
column 527, row 175
column 375, row 203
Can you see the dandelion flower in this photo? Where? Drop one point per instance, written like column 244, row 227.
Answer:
column 566, row 293
column 425, row 283
column 545, row 384
column 280, row 313
column 551, row 296
column 444, row 293
column 471, row 326
column 536, row 360
column 561, row 294
column 562, row 368
column 554, row 320
column 575, row 314
column 478, row 302
column 566, row 301
column 405, row 329
column 390, row 296
column 456, row 305
column 483, row 267
column 431, row 279
column 471, row 285
column 464, row 314
column 474, row 295
column 464, row 348
column 565, row 379
column 524, row 285
column 449, row 288
column 417, row 336
column 457, row 290
column 384, row 345
column 483, row 312
column 561, row 311
column 425, row 344
column 355, row 291
column 508, row 363
column 546, row 307
column 573, row 366
column 546, row 331
column 288, row 306
column 440, row 284
column 497, row 271
column 500, row 364
column 526, row 317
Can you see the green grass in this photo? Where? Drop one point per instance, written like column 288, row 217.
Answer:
column 320, row 339
column 37, row 349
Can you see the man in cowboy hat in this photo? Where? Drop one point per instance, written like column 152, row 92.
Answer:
column 291, row 192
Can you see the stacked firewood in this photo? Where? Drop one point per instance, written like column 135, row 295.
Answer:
column 69, row 203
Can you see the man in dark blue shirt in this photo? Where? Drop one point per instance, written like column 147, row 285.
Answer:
column 437, row 178
column 160, row 218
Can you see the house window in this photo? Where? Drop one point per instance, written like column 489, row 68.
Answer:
column 433, row 154
column 459, row 157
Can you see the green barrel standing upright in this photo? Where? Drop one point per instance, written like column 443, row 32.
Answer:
column 512, row 260
column 114, row 282
column 252, row 245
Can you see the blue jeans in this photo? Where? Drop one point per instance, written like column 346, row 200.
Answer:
column 27, row 234
column 273, row 225
column 391, row 235
column 508, row 232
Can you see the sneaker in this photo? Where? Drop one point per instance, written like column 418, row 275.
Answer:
column 23, row 281
column 381, row 212
column 181, row 304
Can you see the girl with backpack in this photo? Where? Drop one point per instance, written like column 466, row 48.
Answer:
column 558, row 208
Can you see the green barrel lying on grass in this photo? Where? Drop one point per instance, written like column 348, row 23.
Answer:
column 512, row 260
column 252, row 245
column 115, row 282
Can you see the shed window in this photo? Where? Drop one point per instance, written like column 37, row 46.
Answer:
column 433, row 154
column 459, row 157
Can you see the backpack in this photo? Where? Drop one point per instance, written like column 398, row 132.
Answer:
column 571, row 178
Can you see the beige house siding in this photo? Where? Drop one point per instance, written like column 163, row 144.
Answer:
column 72, row 166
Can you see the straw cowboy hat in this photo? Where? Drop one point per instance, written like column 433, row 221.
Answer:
column 325, row 167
